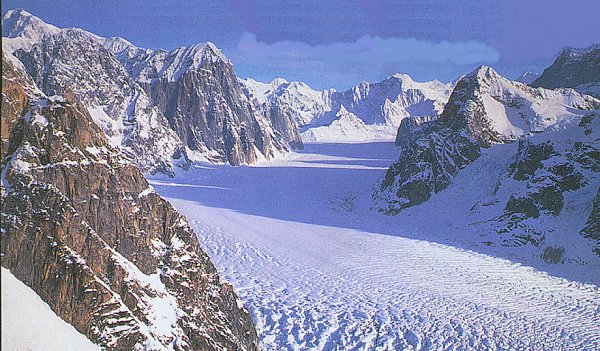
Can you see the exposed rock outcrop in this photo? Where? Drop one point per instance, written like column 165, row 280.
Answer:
column 591, row 230
column 572, row 68
column 197, row 90
column 83, row 228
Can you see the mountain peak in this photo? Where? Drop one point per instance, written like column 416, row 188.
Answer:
column 572, row 51
column 20, row 23
column 572, row 67
column 483, row 71
column 403, row 77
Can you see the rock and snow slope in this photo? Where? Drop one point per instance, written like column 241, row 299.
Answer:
column 83, row 229
column 574, row 68
column 527, row 77
column 542, row 188
column 320, row 271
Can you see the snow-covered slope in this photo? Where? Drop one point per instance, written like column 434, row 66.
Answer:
column 379, row 106
column 494, row 109
column 303, row 103
column 20, row 29
column 28, row 323
column 543, row 190
column 345, row 127
column 146, row 66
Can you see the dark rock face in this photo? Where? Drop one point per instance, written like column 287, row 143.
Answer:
column 83, row 228
column 553, row 254
column 591, row 230
column 548, row 171
column 524, row 205
column 529, row 158
column 425, row 166
column 434, row 150
column 208, row 111
column 197, row 90
column 572, row 67
column 465, row 110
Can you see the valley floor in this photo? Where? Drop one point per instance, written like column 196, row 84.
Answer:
column 319, row 271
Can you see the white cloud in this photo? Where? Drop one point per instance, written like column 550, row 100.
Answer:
column 371, row 51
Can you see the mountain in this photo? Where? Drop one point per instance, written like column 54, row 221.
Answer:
column 20, row 29
column 574, row 68
column 380, row 106
column 76, row 60
column 527, row 78
column 484, row 109
column 496, row 110
column 84, row 229
column 302, row 102
column 555, row 161
column 162, row 108
column 197, row 90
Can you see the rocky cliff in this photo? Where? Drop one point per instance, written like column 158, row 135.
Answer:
column 542, row 187
column 83, row 228
column 197, row 90
column 161, row 108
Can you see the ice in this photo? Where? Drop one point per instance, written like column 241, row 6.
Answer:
column 318, row 270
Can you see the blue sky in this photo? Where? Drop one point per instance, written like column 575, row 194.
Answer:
column 340, row 43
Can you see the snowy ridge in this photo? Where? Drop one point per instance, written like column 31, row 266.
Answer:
column 379, row 106
column 527, row 77
column 302, row 101
column 119, row 105
column 145, row 65
column 498, row 110
column 20, row 29
column 571, row 68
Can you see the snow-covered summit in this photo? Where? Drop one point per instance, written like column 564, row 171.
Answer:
column 379, row 106
column 497, row 110
column 20, row 29
column 20, row 23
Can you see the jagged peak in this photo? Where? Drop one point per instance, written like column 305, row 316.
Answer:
column 200, row 52
column 20, row 23
column 572, row 51
column 483, row 71
column 118, row 44
column 342, row 111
